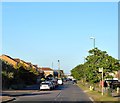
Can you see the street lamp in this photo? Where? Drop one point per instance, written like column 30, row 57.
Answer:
column 58, row 68
column 93, row 46
column 93, row 41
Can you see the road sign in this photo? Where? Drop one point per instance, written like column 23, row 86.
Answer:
column 100, row 69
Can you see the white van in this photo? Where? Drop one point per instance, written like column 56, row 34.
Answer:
column 60, row 82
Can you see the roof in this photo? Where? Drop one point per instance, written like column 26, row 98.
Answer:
column 46, row 69
column 8, row 57
column 35, row 66
column 17, row 59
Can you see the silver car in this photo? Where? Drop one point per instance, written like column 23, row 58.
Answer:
column 46, row 86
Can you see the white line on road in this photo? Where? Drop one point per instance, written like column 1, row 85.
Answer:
column 58, row 95
column 91, row 99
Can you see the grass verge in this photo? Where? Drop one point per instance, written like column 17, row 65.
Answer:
column 97, row 97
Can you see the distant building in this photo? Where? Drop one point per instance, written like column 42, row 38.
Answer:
column 47, row 71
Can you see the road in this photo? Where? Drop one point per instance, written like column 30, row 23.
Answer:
column 66, row 92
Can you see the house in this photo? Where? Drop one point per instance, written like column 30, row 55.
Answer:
column 26, row 64
column 22, row 62
column 8, row 59
column 36, row 67
column 40, row 71
column 47, row 71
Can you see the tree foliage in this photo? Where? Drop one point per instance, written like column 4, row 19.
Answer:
column 96, row 59
column 17, row 75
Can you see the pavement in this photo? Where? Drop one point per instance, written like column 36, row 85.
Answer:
column 4, row 99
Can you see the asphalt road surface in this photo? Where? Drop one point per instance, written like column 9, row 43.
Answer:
column 67, row 92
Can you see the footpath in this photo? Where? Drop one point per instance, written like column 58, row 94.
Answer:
column 5, row 99
column 9, row 95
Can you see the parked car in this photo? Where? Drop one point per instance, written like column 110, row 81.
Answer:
column 60, row 82
column 55, row 84
column 74, row 81
column 113, row 83
column 46, row 85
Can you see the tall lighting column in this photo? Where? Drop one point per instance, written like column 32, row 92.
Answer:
column 58, row 68
column 93, row 41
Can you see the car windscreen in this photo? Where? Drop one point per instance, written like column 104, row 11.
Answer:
column 45, row 83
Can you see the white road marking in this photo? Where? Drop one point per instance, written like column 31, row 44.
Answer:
column 91, row 99
column 58, row 95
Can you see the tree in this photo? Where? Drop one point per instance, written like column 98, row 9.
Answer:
column 17, row 75
column 96, row 59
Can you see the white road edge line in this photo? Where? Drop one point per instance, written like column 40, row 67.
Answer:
column 91, row 99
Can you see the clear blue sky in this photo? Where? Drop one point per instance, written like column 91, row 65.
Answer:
column 42, row 33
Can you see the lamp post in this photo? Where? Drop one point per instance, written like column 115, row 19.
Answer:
column 93, row 48
column 93, row 41
column 58, row 68
column 52, row 65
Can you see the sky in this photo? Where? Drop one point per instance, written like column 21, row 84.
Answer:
column 44, row 32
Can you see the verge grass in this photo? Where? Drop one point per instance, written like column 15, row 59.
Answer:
column 97, row 96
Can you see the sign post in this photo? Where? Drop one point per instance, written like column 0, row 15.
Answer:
column 101, row 70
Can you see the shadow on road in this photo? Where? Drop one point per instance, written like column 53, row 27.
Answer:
column 31, row 87
column 61, row 87
column 24, row 94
